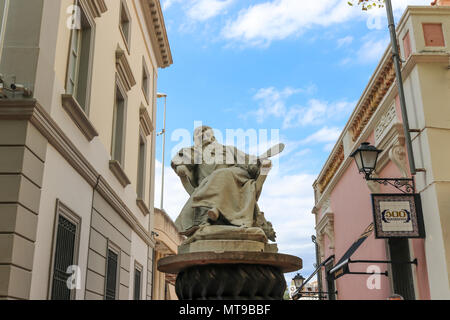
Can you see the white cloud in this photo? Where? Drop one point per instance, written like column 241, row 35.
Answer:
column 372, row 50
column 273, row 101
column 316, row 112
column 325, row 134
column 344, row 41
column 272, row 20
column 202, row 10
column 278, row 19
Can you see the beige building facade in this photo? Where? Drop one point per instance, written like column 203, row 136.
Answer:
column 77, row 147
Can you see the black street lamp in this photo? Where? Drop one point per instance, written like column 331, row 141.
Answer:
column 298, row 280
column 366, row 158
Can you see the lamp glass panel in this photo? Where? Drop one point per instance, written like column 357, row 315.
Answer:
column 359, row 162
column 369, row 160
column 298, row 282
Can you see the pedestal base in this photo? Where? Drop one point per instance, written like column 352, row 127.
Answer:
column 230, row 275
column 231, row 282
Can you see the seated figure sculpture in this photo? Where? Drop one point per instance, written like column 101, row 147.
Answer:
column 224, row 185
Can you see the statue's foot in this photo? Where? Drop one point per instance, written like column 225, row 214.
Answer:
column 213, row 214
column 190, row 231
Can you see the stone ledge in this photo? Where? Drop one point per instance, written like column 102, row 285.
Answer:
column 116, row 168
column 174, row 264
column 78, row 116
column 142, row 206
column 220, row 246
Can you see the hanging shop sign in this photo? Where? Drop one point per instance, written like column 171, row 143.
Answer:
column 398, row 216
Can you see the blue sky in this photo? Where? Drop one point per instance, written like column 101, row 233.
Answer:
column 293, row 65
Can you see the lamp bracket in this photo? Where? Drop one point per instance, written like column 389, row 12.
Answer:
column 405, row 185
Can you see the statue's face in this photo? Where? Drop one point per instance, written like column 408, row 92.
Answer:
column 203, row 136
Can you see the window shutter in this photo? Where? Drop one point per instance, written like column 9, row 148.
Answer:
column 137, row 284
column 64, row 254
column 111, row 275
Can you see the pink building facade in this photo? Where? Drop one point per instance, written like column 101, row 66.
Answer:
column 343, row 208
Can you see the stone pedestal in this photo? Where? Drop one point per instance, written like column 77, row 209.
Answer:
column 230, row 275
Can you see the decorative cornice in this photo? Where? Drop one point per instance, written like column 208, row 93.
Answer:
column 367, row 108
column 78, row 116
column 116, row 168
column 146, row 121
column 335, row 163
column 95, row 8
column 154, row 20
column 32, row 111
column 124, row 70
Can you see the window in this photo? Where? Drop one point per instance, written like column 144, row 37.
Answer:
column 125, row 25
column 119, row 119
column 434, row 36
column 137, row 282
column 65, row 253
column 406, row 45
column 402, row 277
column 141, row 166
column 112, row 265
column 80, row 60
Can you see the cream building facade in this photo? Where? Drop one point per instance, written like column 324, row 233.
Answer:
column 77, row 147
column 424, row 38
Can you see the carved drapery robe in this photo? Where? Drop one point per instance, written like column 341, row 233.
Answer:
column 223, row 178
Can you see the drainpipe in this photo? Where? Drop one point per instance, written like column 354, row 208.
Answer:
column 401, row 92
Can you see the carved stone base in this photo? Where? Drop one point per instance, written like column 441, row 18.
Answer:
column 230, row 275
column 231, row 282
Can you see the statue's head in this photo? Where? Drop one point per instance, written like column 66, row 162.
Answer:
column 203, row 135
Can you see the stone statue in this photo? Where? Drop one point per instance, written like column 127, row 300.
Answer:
column 224, row 185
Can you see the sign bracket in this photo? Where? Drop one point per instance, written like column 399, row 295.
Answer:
column 383, row 261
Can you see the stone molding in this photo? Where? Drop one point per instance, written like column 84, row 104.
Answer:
column 124, row 70
column 326, row 227
column 95, row 8
column 78, row 116
column 118, row 172
column 146, row 121
column 143, row 207
column 31, row 110
column 157, row 31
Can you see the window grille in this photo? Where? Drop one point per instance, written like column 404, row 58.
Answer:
column 64, row 257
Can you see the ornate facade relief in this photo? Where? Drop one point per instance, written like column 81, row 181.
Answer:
column 385, row 124
column 325, row 227
column 397, row 154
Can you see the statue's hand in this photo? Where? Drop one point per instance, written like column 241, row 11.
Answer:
column 182, row 171
column 265, row 167
column 266, row 163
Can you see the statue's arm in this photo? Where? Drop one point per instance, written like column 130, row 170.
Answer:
column 184, row 167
